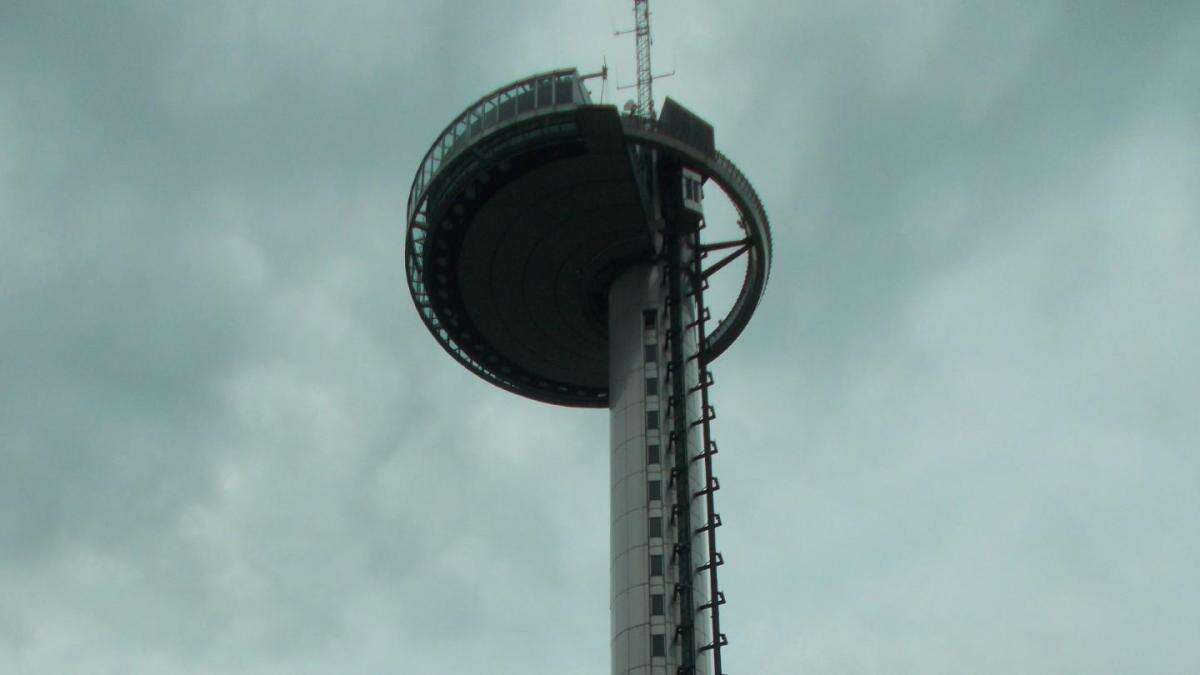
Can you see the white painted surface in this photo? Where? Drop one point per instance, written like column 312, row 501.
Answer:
column 631, row 585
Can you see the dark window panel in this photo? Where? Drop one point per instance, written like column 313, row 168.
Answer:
column 658, row 645
column 652, row 454
column 652, row 386
column 525, row 100
column 508, row 109
column 564, row 90
column 656, row 565
column 655, row 526
column 657, row 605
column 655, row 489
column 545, row 92
column 651, row 419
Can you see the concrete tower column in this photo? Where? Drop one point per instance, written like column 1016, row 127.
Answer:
column 643, row 574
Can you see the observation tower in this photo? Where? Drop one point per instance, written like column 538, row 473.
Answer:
column 555, row 249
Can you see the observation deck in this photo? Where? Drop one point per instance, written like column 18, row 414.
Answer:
column 522, row 213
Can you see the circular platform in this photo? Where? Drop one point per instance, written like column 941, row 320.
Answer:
column 523, row 212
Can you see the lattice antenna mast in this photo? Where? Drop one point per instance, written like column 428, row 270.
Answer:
column 645, row 80
column 645, row 77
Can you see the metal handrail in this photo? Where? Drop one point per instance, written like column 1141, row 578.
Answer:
column 485, row 114
column 491, row 112
column 519, row 100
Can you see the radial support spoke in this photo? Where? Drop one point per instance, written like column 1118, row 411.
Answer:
column 705, row 248
column 716, row 267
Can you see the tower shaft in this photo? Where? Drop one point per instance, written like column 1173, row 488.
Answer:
column 655, row 548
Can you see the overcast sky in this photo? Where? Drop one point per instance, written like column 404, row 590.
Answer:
column 960, row 436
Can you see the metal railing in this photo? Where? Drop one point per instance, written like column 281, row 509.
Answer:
column 542, row 91
column 562, row 89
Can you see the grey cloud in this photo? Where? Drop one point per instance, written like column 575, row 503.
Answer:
column 960, row 434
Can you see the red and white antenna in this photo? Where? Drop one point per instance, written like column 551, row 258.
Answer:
column 645, row 78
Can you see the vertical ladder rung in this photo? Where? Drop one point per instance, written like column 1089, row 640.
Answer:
column 708, row 452
column 709, row 414
column 675, row 509
column 721, row 641
column 713, row 523
column 713, row 486
column 706, row 381
column 716, row 561
column 709, row 605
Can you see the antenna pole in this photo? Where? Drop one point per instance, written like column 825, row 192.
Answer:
column 645, row 94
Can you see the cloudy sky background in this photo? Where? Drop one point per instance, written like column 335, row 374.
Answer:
column 961, row 435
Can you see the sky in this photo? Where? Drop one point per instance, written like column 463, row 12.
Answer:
column 960, row 434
